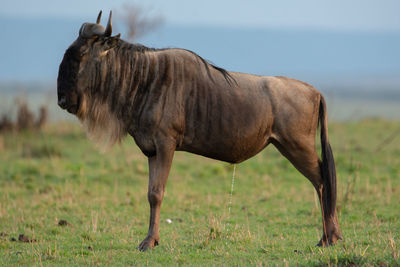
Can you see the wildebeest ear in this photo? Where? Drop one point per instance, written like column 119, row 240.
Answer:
column 111, row 42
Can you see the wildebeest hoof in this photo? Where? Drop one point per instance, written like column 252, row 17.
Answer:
column 326, row 242
column 323, row 243
column 148, row 243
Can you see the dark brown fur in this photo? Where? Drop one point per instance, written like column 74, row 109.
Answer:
column 172, row 99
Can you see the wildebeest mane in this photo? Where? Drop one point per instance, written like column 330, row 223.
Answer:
column 207, row 63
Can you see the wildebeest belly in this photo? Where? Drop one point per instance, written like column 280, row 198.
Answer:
column 228, row 124
column 230, row 152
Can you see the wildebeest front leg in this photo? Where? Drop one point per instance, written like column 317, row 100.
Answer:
column 159, row 166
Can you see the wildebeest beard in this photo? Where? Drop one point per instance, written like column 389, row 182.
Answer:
column 91, row 103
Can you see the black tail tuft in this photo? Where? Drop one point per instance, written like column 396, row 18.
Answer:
column 328, row 169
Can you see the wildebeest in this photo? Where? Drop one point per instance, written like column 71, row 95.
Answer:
column 173, row 100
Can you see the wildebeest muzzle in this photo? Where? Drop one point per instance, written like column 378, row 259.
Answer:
column 70, row 102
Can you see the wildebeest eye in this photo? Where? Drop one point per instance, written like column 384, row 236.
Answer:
column 74, row 53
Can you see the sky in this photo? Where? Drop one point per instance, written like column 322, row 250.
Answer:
column 351, row 15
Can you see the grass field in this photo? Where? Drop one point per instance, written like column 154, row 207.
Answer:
column 275, row 216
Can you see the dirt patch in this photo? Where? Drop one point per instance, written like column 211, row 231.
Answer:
column 2, row 234
column 25, row 239
column 63, row 223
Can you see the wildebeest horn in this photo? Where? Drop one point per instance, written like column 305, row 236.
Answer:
column 99, row 17
column 108, row 31
column 89, row 30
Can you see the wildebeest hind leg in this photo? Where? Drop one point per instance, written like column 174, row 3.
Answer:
column 159, row 166
column 304, row 158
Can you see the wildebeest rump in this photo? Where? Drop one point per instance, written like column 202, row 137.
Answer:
column 172, row 99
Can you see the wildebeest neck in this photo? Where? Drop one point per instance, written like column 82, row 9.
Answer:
column 126, row 73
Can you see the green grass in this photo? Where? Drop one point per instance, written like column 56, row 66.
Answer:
column 275, row 216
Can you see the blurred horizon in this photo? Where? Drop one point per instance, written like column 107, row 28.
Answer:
column 311, row 54
column 311, row 39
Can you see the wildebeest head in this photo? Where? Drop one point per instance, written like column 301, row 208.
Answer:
column 76, row 73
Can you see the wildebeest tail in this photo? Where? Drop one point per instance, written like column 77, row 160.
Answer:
column 328, row 170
